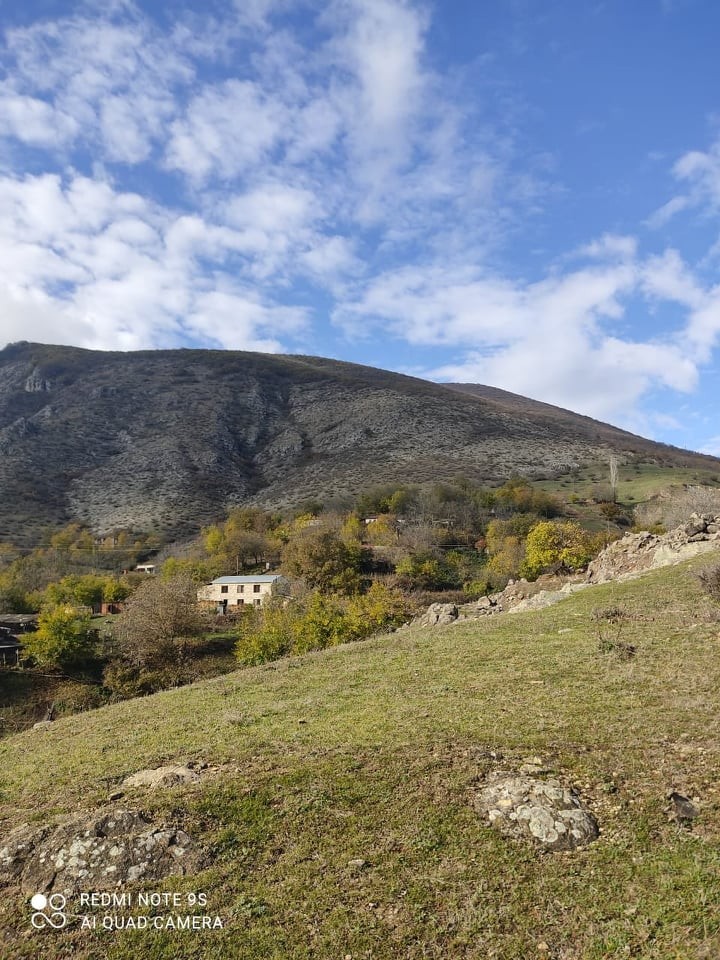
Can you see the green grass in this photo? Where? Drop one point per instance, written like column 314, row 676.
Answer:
column 374, row 751
column 636, row 482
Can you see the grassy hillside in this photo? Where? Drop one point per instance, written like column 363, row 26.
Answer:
column 372, row 752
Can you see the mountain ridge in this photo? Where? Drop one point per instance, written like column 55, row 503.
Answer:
column 168, row 439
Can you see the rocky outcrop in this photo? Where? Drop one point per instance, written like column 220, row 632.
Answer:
column 637, row 552
column 96, row 851
column 541, row 812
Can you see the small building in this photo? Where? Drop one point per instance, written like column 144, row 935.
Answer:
column 229, row 593
column 10, row 648
column 148, row 568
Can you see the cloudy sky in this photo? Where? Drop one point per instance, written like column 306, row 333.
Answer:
column 524, row 193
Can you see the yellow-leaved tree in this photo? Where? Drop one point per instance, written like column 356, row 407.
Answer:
column 554, row 545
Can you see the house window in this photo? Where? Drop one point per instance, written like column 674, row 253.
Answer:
column 240, row 602
column 256, row 588
column 241, row 588
column 258, row 602
column 223, row 589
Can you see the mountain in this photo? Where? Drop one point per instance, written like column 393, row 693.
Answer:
column 168, row 439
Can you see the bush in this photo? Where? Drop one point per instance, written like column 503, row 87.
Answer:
column 554, row 546
column 152, row 628
column 426, row 570
column 64, row 637
column 278, row 630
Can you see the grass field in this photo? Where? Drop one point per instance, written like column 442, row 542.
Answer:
column 637, row 482
column 373, row 752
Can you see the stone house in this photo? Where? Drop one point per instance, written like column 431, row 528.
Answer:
column 229, row 593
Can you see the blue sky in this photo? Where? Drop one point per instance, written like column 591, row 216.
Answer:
column 523, row 193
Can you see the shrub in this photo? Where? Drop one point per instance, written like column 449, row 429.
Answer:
column 318, row 622
column 159, row 616
column 554, row 546
column 64, row 637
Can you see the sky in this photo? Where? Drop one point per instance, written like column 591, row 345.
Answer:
column 521, row 193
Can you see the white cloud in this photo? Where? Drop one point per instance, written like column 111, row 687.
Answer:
column 700, row 171
column 610, row 246
column 667, row 211
column 93, row 80
column 552, row 340
column 226, row 130
column 34, row 122
column 82, row 263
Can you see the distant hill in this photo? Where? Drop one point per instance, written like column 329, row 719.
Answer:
column 168, row 439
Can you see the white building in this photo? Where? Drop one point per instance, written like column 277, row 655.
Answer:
column 232, row 592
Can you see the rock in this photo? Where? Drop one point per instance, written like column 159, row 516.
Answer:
column 543, row 812
column 42, row 724
column 682, row 809
column 97, row 851
column 695, row 525
column 357, row 864
column 437, row 615
column 161, row 777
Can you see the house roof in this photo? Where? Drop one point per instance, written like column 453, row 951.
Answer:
column 260, row 578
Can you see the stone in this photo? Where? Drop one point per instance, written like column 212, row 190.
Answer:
column 161, row 777
column 42, row 725
column 437, row 615
column 544, row 813
column 96, row 851
column 682, row 809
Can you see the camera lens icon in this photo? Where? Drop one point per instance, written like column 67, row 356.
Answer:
column 48, row 911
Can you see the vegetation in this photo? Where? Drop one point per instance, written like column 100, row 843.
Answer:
column 64, row 637
column 448, row 541
column 157, row 620
column 317, row 622
column 553, row 546
column 373, row 752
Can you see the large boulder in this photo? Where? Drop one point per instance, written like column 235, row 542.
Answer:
column 541, row 812
column 437, row 615
column 96, row 851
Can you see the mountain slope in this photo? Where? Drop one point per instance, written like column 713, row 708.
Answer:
column 168, row 439
column 338, row 800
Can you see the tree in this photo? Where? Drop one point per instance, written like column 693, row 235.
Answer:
column 64, row 637
column 556, row 546
column 323, row 560
column 157, row 620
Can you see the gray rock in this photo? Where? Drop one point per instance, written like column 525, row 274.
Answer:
column 96, row 851
column 542, row 812
column 169, row 776
column 437, row 615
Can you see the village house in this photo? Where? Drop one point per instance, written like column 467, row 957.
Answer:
column 226, row 593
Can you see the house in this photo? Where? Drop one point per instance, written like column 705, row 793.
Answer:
column 229, row 593
column 10, row 648
column 148, row 568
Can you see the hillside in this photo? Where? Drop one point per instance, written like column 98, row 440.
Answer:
column 335, row 800
column 168, row 439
